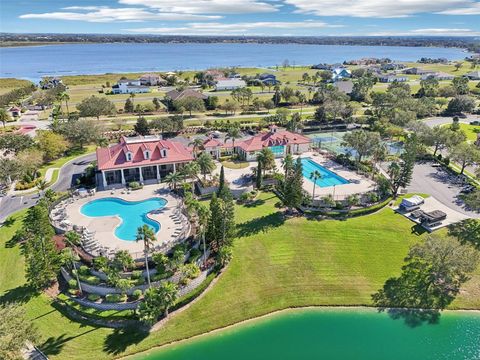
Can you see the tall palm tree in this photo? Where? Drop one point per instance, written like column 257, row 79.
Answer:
column 65, row 97
column 196, row 144
column 232, row 134
column 147, row 236
column 314, row 176
column 267, row 159
column 4, row 116
column 203, row 214
column 167, row 293
column 173, row 179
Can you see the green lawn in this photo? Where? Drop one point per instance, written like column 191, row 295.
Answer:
column 277, row 264
column 472, row 131
column 236, row 164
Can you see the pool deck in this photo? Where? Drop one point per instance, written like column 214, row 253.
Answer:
column 357, row 184
column 104, row 227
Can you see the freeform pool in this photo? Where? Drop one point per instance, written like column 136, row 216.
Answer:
column 328, row 178
column 133, row 214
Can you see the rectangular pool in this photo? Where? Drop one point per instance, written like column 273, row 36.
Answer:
column 328, row 178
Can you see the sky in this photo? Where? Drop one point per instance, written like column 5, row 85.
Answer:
column 244, row 17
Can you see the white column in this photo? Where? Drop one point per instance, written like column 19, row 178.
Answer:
column 123, row 177
column 141, row 176
column 104, row 179
column 158, row 172
column 174, row 168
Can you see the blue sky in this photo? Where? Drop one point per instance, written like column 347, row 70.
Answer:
column 244, row 17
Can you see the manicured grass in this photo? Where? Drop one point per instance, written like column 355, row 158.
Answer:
column 277, row 264
column 472, row 131
column 235, row 164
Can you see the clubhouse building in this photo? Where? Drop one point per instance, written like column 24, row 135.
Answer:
column 148, row 159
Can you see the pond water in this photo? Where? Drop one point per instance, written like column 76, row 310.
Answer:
column 328, row 334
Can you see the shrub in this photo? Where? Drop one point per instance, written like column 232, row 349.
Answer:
column 190, row 271
column 134, row 185
column 93, row 297
column 113, row 298
column 73, row 292
column 136, row 294
column 162, row 276
column 92, row 280
column 72, row 283
column 194, row 255
column 84, row 270
column 137, row 274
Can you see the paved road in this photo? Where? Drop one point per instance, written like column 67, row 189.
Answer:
column 66, row 178
column 436, row 182
column 442, row 120
column 30, row 118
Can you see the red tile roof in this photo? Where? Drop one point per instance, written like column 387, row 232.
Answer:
column 267, row 139
column 114, row 156
column 211, row 142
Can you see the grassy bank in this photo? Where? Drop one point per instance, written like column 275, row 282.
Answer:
column 277, row 264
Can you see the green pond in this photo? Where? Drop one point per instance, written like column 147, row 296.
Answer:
column 335, row 334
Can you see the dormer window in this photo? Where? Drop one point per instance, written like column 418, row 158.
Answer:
column 146, row 155
column 163, row 152
column 129, row 156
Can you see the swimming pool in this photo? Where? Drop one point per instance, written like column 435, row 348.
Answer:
column 328, row 178
column 133, row 214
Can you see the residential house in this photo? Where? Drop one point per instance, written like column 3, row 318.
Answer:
column 281, row 142
column 417, row 71
column 229, row 84
column 340, row 73
column 345, row 86
column 49, row 83
column 473, row 75
column 268, row 79
column 143, row 159
column 392, row 78
column 128, row 86
column 15, row 111
column 321, row 67
column 152, row 80
column 392, row 66
column 178, row 95
column 438, row 76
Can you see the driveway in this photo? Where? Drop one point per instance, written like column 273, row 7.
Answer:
column 438, row 183
column 66, row 178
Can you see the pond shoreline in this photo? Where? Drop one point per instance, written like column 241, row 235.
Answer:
column 274, row 313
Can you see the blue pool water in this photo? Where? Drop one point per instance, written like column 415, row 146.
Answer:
column 132, row 213
column 328, row 178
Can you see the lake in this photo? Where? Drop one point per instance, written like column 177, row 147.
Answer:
column 34, row 62
column 334, row 334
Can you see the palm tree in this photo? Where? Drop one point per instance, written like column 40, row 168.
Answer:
column 196, row 144
column 41, row 186
column 146, row 234
column 233, row 133
column 266, row 157
column 206, row 164
column 380, row 153
column 203, row 214
column 288, row 164
column 65, row 97
column 190, row 171
column 124, row 259
column 173, row 179
column 4, row 116
column 167, row 293
column 315, row 175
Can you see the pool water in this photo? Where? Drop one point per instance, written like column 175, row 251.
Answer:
column 132, row 213
column 328, row 178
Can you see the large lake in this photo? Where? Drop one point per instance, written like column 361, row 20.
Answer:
column 335, row 335
column 33, row 62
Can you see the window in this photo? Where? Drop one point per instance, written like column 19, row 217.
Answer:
column 164, row 152
column 147, row 155
column 129, row 156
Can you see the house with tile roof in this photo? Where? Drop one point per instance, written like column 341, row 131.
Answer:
column 145, row 159
column 178, row 95
column 217, row 148
column 281, row 142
